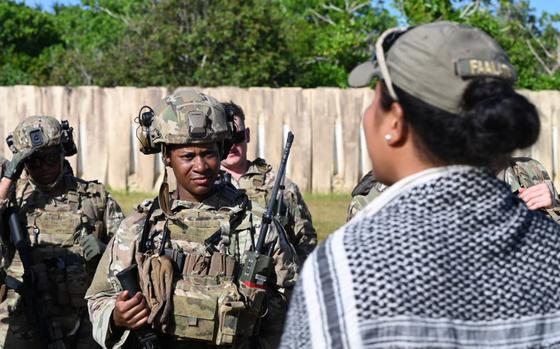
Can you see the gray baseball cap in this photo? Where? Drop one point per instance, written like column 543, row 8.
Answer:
column 434, row 62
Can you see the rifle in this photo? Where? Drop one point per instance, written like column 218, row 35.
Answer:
column 35, row 310
column 258, row 263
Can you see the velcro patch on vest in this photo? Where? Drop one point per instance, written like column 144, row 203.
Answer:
column 55, row 227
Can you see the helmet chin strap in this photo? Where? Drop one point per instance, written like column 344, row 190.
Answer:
column 48, row 187
column 163, row 195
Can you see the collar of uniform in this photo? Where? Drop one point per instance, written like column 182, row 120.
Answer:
column 69, row 184
column 405, row 184
column 213, row 201
column 258, row 166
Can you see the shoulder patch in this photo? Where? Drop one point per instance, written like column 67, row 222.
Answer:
column 144, row 206
column 261, row 165
column 364, row 185
column 528, row 172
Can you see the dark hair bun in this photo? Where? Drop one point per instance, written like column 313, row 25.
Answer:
column 497, row 119
column 494, row 121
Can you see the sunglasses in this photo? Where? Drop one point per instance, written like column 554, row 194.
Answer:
column 37, row 161
column 383, row 44
column 239, row 136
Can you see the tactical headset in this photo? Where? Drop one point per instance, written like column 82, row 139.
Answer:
column 147, row 135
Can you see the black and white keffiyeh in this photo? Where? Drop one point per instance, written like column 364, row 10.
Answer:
column 446, row 258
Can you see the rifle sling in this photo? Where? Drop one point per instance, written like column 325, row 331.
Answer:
column 147, row 226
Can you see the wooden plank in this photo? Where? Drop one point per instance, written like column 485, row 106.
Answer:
column 546, row 150
column 554, row 97
column 74, row 100
column 298, row 112
column 542, row 149
column 273, row 112
column 351, row 109
column 322, row 125
column 93, row 137
column 365, row 161
column 5, row 113
column 117, row 102
column 54, row 101
column 254, row 114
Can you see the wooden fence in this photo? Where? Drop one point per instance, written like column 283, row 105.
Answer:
column 328, row 154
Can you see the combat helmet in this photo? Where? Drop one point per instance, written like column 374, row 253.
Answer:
column 186, row 117
column 38, row 132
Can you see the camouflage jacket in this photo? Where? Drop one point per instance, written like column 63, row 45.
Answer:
column 523, row 172
column 520, row 173
column 85, row 207
column 367, row 189
column 55, row 226
column 258, row 182
column 189, row 224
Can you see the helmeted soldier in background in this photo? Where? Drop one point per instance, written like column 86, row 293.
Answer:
column 189, row 245
column 68, row 221
column 527, row 177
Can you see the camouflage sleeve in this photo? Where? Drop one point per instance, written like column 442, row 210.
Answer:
column 300, row 218
column 352, row 209
column 4, row 202
column 113, row 216
column 104, row 288
column 554, row 193
column 286, row 262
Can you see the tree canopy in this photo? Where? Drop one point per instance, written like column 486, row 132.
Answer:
column 274, row 43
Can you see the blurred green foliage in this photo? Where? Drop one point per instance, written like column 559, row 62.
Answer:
column 274, row 43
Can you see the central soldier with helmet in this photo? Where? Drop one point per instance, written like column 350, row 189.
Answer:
column 189, row 245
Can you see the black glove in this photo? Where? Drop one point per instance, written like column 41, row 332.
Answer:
column 14, row 167
column 92, row 247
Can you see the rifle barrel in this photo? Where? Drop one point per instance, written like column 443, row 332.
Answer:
column 267, row 218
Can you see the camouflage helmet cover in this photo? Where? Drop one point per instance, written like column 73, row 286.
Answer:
column 190, row 117
column 36, row 132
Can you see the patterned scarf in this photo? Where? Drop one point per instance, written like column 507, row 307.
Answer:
column 446, row 258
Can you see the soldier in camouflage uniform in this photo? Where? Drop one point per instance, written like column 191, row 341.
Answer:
column 257, row 178
column 189, row 245
column 527, row 177
column 69, row 222
column 530, row 180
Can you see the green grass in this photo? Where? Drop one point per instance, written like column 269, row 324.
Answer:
column 328, row 210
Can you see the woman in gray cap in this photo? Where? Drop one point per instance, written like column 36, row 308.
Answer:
column 447, row 257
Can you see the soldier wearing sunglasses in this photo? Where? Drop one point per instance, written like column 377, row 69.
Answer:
column 69, row 222
column 256, row 177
